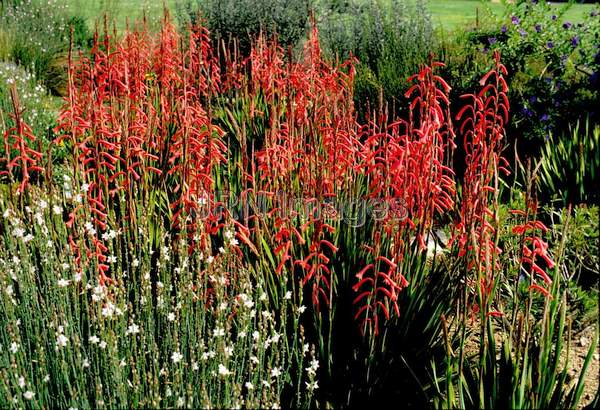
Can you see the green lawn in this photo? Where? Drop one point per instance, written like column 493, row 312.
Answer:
column 448, row 14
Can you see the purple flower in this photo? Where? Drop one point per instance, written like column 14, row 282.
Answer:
column 515, row 20
column 544, row 117
column 492, row 41
column 567, row 25
column 575, row 41
column 522, row 32
column 504, row 29
column 538, row 28
column 554, row 17
column 550, row 44
column 532, row 99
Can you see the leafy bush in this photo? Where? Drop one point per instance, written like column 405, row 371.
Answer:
column 390, row 39
column 244, row 19
column 552, row 67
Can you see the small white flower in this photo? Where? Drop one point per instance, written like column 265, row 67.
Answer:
column 102, row 345
column 301, row 309
column 288, row 295
column 94, row 339
column 171, row 317
column 57, row 210
column 219, row 332
column 210, row 259
column 46, row 378
column 14, row 347
column 77, row 277
column 229, row 234
column 254, row 359
column 133, row 329
column 63, row 283
column 223, row 371
column 180, row 402
column 234, row 242
column 312, row 386
column 86, row 363
column 21, row 382
column 43, row 204
column 275, row 372
column 85, row 187
column 28, row 395
column 65, row 266
column 249, row 386
column 112, row 259
column 221, row 249
column 135, row 263
column 61, row 341
column 176, row 357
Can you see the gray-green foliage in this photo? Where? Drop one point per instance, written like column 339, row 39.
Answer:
column 391, row 39
column 242, row 19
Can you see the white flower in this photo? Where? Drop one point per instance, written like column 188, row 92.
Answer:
column 85, row 187
column 57, row 210
column 255, row 335
column 65, row 266
column 77, row 277
column 176, row 357
column 228, row 234
column 94, row 339
column 301, row 309
column 135, row 263
column 171, row 317
column 254, row 359
column 288, row 295
column 21, row 382
column 102, row 345
column 46, row 378
column 275, row 372
column 111, row 259
column 63, row 283
column 312, row 386
column 133, row 329
column 314, row 365
column 14, row 347
column 19, row 232
column 180, row 402
column 249, row 386
column 263, row 297
column 223, row 371
column 305, row 348
column 221, row 249
column 28, row 395
column 86, row 363
column 234, row 242
column 210, row 259
column 219, row 332
column 61, row 341
column 28, row 238
column 43, row 204
column 275, row 338
column 195, row 366
column 9, row 290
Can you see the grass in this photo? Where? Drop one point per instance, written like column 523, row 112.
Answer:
column 451, row 14
column 448, row 14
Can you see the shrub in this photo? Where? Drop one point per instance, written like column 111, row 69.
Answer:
column 552, row 64
column 390, row 39
column 243, row 20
